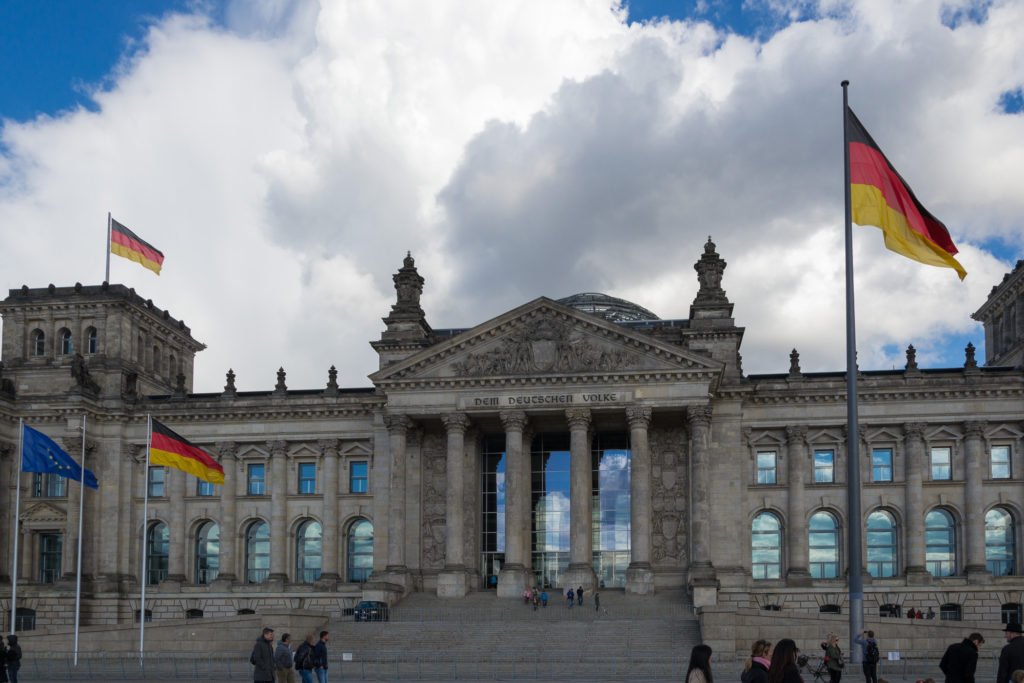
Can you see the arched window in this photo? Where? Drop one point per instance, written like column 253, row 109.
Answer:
column 1000, row 545
column 360, row 551
column 158, row 546
column 149, row 616
column 24, row 619
column 156, row 360
column 207, row 552
column 65, row 341
column 823, row 546
column 257, row 552
column 1011, row 611
column 940, row 543
column 246, row 611
column 830, row 609
column 172, row 367
column 92, row 342
column 950, row 612
column 308, row 552
column 881, row 545
column 38, row 343
column 766, row 547
column 194, row 614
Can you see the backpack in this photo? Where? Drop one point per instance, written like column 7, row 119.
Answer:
column 871, row 652
column 302, row 656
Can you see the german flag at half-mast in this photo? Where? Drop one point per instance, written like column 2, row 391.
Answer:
column 169, row 449
column 880, row 197
column 127, row 244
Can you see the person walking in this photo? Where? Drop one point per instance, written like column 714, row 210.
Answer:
column 13, row 658
column 262, row 657
column 305, row 659
column 284, row 665
column 756, row 668
column 869, row 662
column 1011, row 658
column 700, row 665
column 320, row 657
column 3, row 661
column 597, row 601
column 834, row 658
column 961, row 659
column 571, row 596
column 579, row 595
column 783, row 668
column 544, row 599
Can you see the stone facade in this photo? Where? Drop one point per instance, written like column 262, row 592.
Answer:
column 398, row 498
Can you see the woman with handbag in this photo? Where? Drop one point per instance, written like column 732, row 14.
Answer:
column 833, row 658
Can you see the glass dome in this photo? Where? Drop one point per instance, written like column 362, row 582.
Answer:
column 608, row 307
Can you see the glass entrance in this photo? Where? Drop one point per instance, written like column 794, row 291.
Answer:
column 549, row 498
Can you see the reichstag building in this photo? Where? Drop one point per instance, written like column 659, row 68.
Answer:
column 574, row 442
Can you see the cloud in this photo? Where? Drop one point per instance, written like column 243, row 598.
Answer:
column 286, row 160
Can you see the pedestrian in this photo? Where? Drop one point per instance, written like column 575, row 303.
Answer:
column 756, row 668
column 535, row 599
column 284, row 664
column 544, row 599
column 13, row 658
column 961, row 659
column 869, row 661
column 931, row 613
column 1017, row 676
column 572, row 597
column 262, row 657
column 783, row 668
column 700, row 665
column 3, row 661
column 579, row 595
column 911, row 614
column 597, row 601
column 526, row 596
column 305, row 658
column 833, row 658
column 1012, row 656
column 320, row 657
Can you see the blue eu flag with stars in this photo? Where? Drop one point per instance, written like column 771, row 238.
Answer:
column 40, row 454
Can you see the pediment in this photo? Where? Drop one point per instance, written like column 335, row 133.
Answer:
column 546, row 339
column 45, row 514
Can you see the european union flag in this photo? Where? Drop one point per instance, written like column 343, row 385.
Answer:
column 40, row 454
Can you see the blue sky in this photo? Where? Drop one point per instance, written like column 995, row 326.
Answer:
column 315, row 142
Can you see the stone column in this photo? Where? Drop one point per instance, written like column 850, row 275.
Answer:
column 581, row 502
column 974, row 533
column 398, row 429
column 914, row 506
column 10, row 480
column 453, row 582
column 175, row 481
column 703, row 581
column 515, row 575
column 227, row 572
column 69, row 544
column 639, row 576
column 278, row 513
column 329, row 514
column 797, row 463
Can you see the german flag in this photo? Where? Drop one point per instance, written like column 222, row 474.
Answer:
column 127, row 244
column 171, row 450
column 880, row 197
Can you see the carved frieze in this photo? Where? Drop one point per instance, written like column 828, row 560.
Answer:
column 434, row 454
column 669, row 484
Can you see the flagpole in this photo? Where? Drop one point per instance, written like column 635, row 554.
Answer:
column 107, row 277
column 78, row 565
column 856, row 587
column 145, row 514
column 17, row 511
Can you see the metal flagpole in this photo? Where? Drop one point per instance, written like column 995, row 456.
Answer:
column 856, row 579
column 145, row 514
column 78, row 565
column 107, row 277
column 17, row 511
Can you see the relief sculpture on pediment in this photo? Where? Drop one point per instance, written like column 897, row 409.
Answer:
column 669, row 484
column 545, row 345
column 434, row 506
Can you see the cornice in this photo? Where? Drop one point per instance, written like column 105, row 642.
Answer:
column 903, row 394
column 644, row 377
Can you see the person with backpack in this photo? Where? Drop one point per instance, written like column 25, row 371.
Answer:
column 305, row 658
column 871, row 655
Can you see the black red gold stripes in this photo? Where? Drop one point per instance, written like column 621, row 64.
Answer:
column 171, row 450
column 127, row 244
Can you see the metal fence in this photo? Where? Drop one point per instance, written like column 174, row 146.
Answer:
column 448, row 665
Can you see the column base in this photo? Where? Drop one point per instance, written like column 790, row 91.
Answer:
column 453, row 582
column 703, row 583
column 513, row 579
column 275, row 582
column 579, row 575
column 978, row 574
column 223, row 582
column 918, row 576
column 396, row 575
column 640, row 579
column 172, row 584
column 798, row 576
column 327, row 582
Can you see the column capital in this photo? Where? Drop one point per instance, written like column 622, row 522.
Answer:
column 277, row 447
column 513, row 420
column 455, row 422
column 699, row 416
column 796, row 434
column 974, row 429
column 397, row 422
column 227, row 450
column 578, row 417
column 639, row 417
column 913, row 431
column 328, row 447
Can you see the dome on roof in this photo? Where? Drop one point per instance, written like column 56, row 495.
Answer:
column 608, row 307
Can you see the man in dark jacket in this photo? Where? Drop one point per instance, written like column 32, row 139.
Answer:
column 320, row 655
column 961, row 659
column 262, row 657
column 1012, row 656
column 13, row 658
column 283, row 660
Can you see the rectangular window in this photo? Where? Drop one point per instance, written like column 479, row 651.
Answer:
column 1000, row 462
column 307, row 477
column 881, row 464
column 203, row 488
column 357, row 477
column 766, row 467
column 824, row 467
column 156, row 482
column 48, row 486
column 257, row 480
column 49, row 557
column 942, row 468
